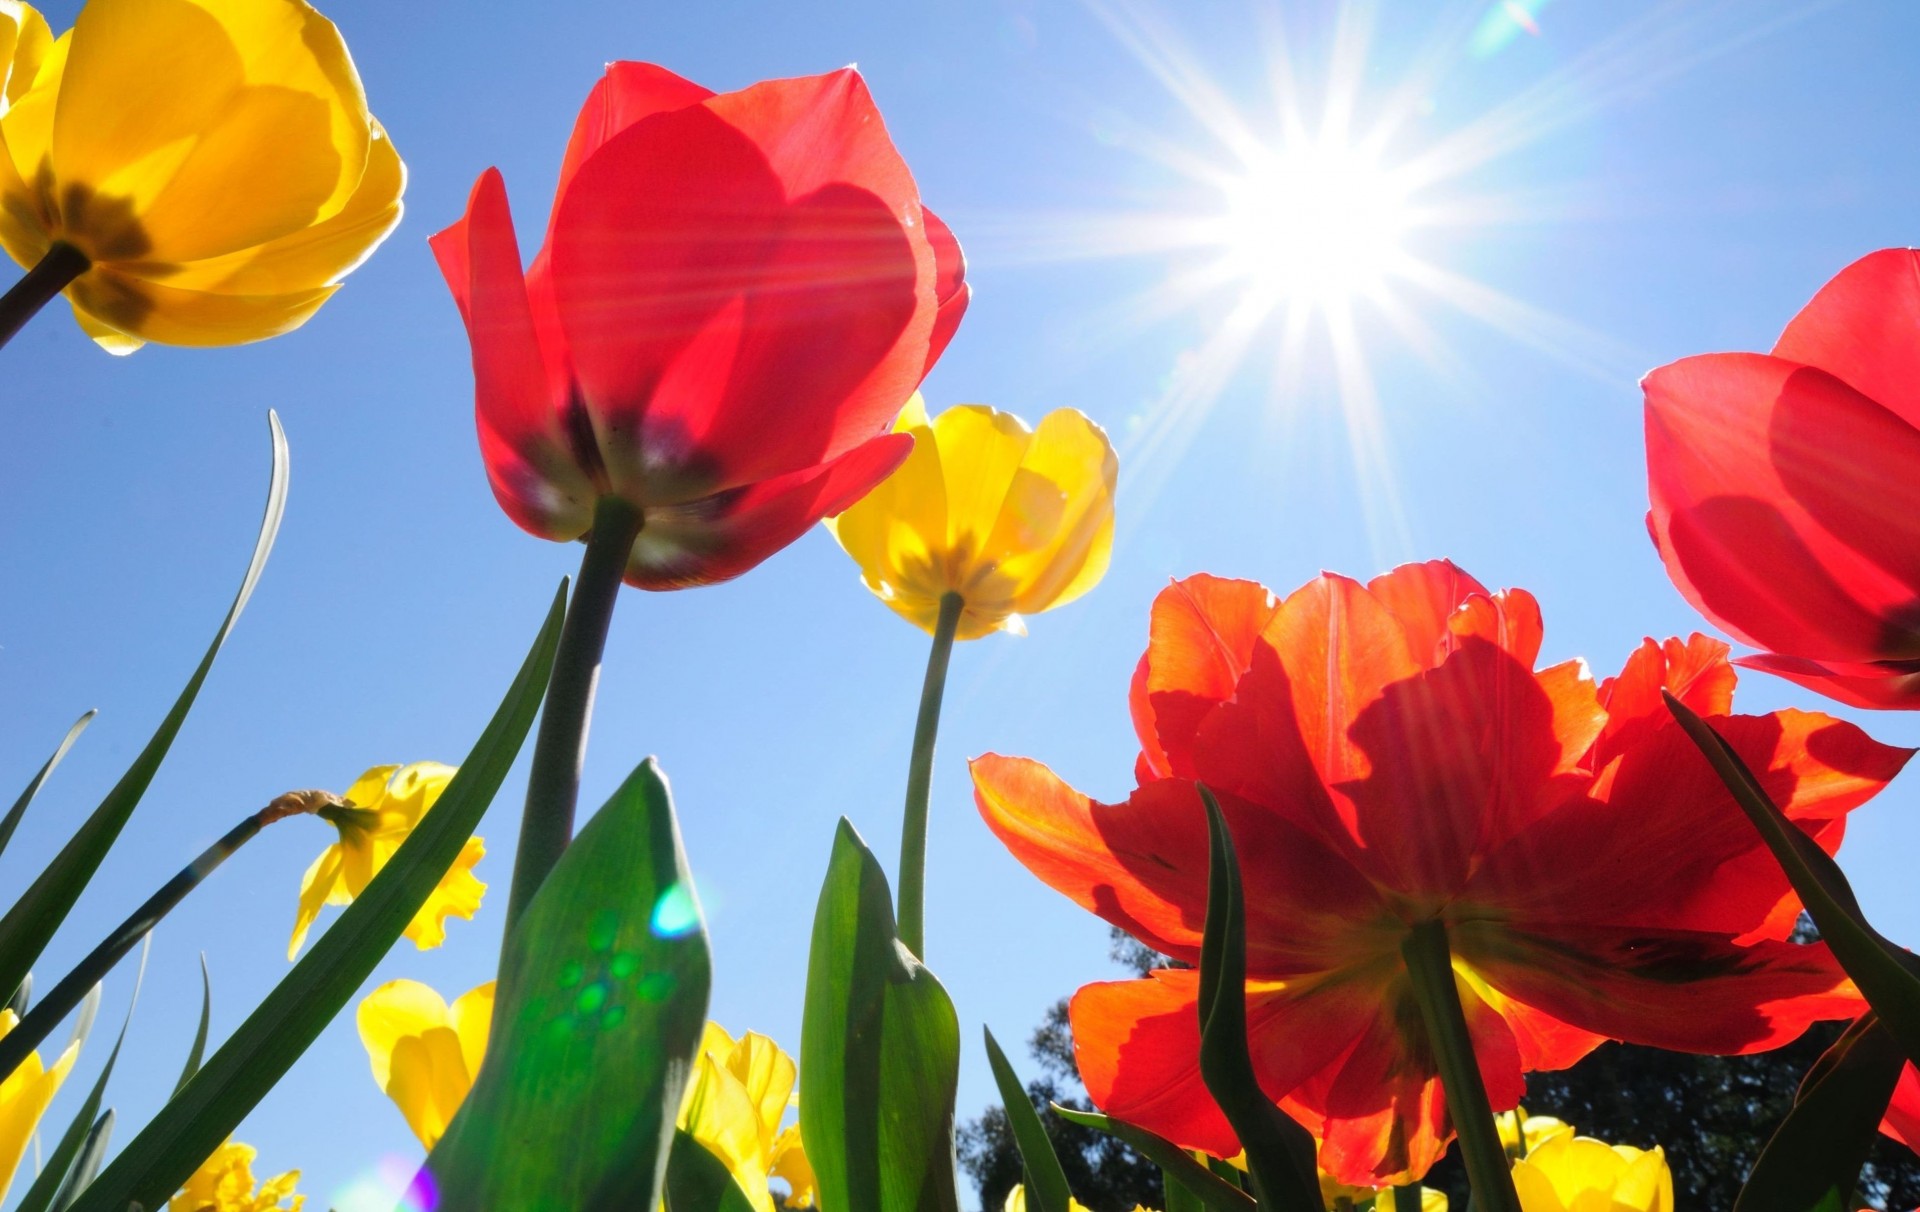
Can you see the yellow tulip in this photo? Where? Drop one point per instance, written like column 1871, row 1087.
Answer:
column 425, row 1053
column 1521, row 1134
column 1336, row 1194
column 206, row 169
column 1568, row 1173
column 379, row 811
column 225, row 1183
column 738, row 1094
column 1013, row 520
column 1017, row 1202
column 24, row 1096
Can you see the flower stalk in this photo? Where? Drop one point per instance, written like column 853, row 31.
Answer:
column 913, row 830
column 52, row 274
column 1429, row 962
column 560, row 748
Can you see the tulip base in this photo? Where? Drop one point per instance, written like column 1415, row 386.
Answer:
column 560, row 748
column 1429, row 962
column 53, row 274
column 913, row 830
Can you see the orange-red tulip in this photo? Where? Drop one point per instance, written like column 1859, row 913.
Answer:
column 1387, row 754
column 1786, row 487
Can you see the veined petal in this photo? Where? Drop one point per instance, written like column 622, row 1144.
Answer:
column 1695, row 670
column 1424, row 597
column 320, row 886
column 390, row 1013
column 1054, row 535
column 1201, row 643
column 718, row 1111
column 626, row 93
column 1861, row 328
column 894, row 533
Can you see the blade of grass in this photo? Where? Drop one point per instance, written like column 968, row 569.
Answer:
column 1046, row 1181
column 32, row 920
column 199, row 1049
column 19, row 809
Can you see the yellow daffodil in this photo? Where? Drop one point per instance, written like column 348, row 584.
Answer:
column 1017, row 1202
column 225, row 1183
column 204, row 171
column 425, row 1053
column 1568, row 1173
column 24, row 1096
column 374, row 817
column 1521, row 1133
column 1013, row 520
column 1338, row 1195
column 736, row 1097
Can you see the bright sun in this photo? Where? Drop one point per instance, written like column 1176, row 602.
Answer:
column 1318, row 224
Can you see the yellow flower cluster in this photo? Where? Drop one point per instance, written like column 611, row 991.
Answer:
column 225, row 1183
column 210, row 165
column 379, row 811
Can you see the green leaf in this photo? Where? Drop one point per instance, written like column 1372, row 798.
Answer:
column 1819, row 1148
column 197, row 1119
column 1884, row 972
column 32, row 920
column 19, row 809
column 92, row 1152
column 697, row 1181
column 1177, row 1197
column 53, row 1180
column 602, row 1001
column 1046, row 1182
column 199, row 1049
column 879, row 1051
column 1280, row 1152
column 1194, row 1178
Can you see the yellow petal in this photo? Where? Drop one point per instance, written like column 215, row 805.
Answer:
column 396, row 1011
column 25, row 39
column 427, row 1079
column 24, row 1096
column 1055, row 531
column 980, row 450
column 717, row 1111
column 897, row 533
column 790, row 1166
column 152, row 311
column 320, row 885
column 458, row 894
column 766, row 1073
column 224, row 1183
column 27, row 214
column 472, row 1016
column 370, row 789
column 201, row 127
column 105, row 335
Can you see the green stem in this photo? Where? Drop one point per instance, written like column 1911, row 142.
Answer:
column 1430, row 964
column 53, row 274
column 39, row 1022
column 1406, row 1197
column 560, row 748
column 913, row 830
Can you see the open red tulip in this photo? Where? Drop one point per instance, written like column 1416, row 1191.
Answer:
column 1387, row 754
column 737, row 294
column 1786, row 487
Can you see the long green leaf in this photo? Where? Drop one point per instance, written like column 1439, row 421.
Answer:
column 67, row 1156
column 199, row 1050
column 1176, row 1197
column 1884, row 972
column 697, row 1181
column 194, row 1122
column 1280, row 1152
column 879, row 1051
column 92, row 1152
column 1046, row 1181
column 602, row 1001
column 1194, row 1178
column 1817, row 1151
column 32, row 920
column 19, row 809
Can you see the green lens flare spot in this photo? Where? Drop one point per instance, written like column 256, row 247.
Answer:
column 624, row 965
column 656, row 986
column 591, row 998
column 605, row 929
column 571, row 973
column 676, row 913
column 614, row 1016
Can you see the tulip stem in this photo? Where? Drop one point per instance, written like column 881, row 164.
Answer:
column 913, row 830
column 53, row 274
column 39, row 1022
column 560, row 747
column 1430, row 965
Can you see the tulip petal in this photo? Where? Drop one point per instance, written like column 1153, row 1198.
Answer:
column 1201, row 643
column 1903, row 1113
column 1620, row 982
column 950, row 288
column 717, row 538
column 530, row 463
column 1884, row 685
column 1054, row 536
column 150, row 311
column 1860, row 328
column 393, row 1011
column 626, row 93
column 1423, row 597
column 1696, row 671
column 1508, row 620
column 980, row 451
column 1784, row 506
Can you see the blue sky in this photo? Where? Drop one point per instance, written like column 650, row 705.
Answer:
column 1680, row 178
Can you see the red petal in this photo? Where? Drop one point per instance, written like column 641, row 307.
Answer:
column 1695, row 671
column 719, row 537
column 1889, row 686
column 1684, row 991
column 1142, row 865
column 950, row 289
column 1423, row 597
column 1864, row 327
column 1508, row 620
column 1903, row 1113
column 535, row 474
column 1785, row 506
column 625, row 93
column 1201, row 641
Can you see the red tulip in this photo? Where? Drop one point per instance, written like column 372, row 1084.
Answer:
column 1786, row 487
column 737, row 294
column 1902, row 1122
column 1387, row 754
